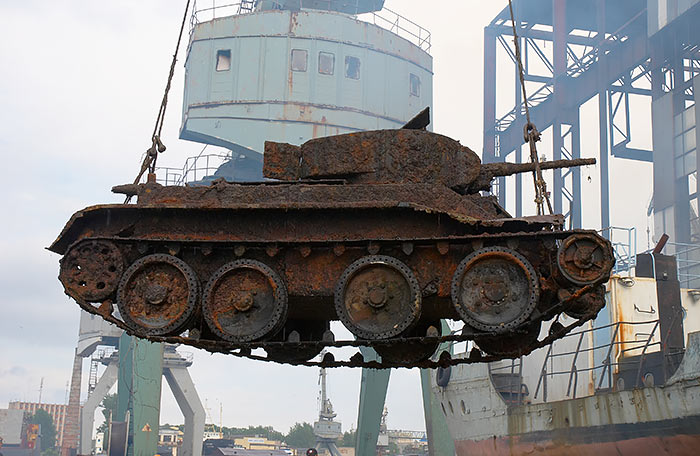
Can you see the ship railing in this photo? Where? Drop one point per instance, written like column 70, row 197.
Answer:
column 614, row 359
column 204, row 11
column 624, row 242
column 195, row 169
column 687, row 262
column 405, row 28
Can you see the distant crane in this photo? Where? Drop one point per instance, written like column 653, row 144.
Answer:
column 326, row 430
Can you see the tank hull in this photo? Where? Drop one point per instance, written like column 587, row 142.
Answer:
column 305, row 237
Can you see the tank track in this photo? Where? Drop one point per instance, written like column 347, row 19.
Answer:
column 443, row 360
column 140, row 248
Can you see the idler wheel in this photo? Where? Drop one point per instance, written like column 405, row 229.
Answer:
column 91, row 270
column 495, row 289
column 244, row 301
column 378, row 297
column 157, row 295
column 511, row 345
column 584, row 259
column 412, row 352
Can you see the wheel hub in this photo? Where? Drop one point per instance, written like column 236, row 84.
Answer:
column 244, row 301
column 157, row 295
column 378, row 297
column 495, row 289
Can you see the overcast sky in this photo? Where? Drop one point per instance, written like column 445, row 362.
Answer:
column 80, row 84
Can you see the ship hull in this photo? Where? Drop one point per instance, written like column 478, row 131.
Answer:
column 661, row 420
column 668, row 437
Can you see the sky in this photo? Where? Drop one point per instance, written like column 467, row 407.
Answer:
column 80, row 86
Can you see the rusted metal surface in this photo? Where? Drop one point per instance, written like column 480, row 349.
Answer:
column 514, row 345
column 393, row 156
column 665, row 444
column 495, row 289
column 584, row 259
column 378, row 297
column 158, row 294
column 395, row 243
column 92, row 270
column 422, row 347
column 244, row 300
column 370, row 157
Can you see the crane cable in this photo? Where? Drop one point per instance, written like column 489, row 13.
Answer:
column 157, row 146
column 530, row 133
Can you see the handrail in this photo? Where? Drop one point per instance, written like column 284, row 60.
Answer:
column 195, row 168
column 607, row 363
column 644, row 351
column 386, row 19
column 687, row 262
column 625, row 250
column 543, row 374
column 573, row 366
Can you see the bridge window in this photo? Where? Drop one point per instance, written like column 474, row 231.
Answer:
column 415, row 85
column 300, row 59
column 223, row 60
column 326, row 63
column 685, row 147
column 352, row 67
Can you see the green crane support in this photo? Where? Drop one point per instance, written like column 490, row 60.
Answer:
column 138, row 389
column 373, row 396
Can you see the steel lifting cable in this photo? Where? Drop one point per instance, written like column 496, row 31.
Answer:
column 530, row 133
column 157, row 146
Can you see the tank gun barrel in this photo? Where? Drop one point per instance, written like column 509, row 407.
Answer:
column 491, row 170
column 508, row 169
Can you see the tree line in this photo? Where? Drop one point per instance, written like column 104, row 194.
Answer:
column 301, row 435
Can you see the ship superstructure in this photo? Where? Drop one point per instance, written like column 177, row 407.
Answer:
column 290, row 71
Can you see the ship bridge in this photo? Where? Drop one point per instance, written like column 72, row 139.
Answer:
column 289, row 71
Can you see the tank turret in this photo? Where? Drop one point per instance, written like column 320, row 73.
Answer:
column 392, row 157
column 385, row 231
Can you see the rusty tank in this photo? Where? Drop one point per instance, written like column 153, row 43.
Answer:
column 386, row 231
